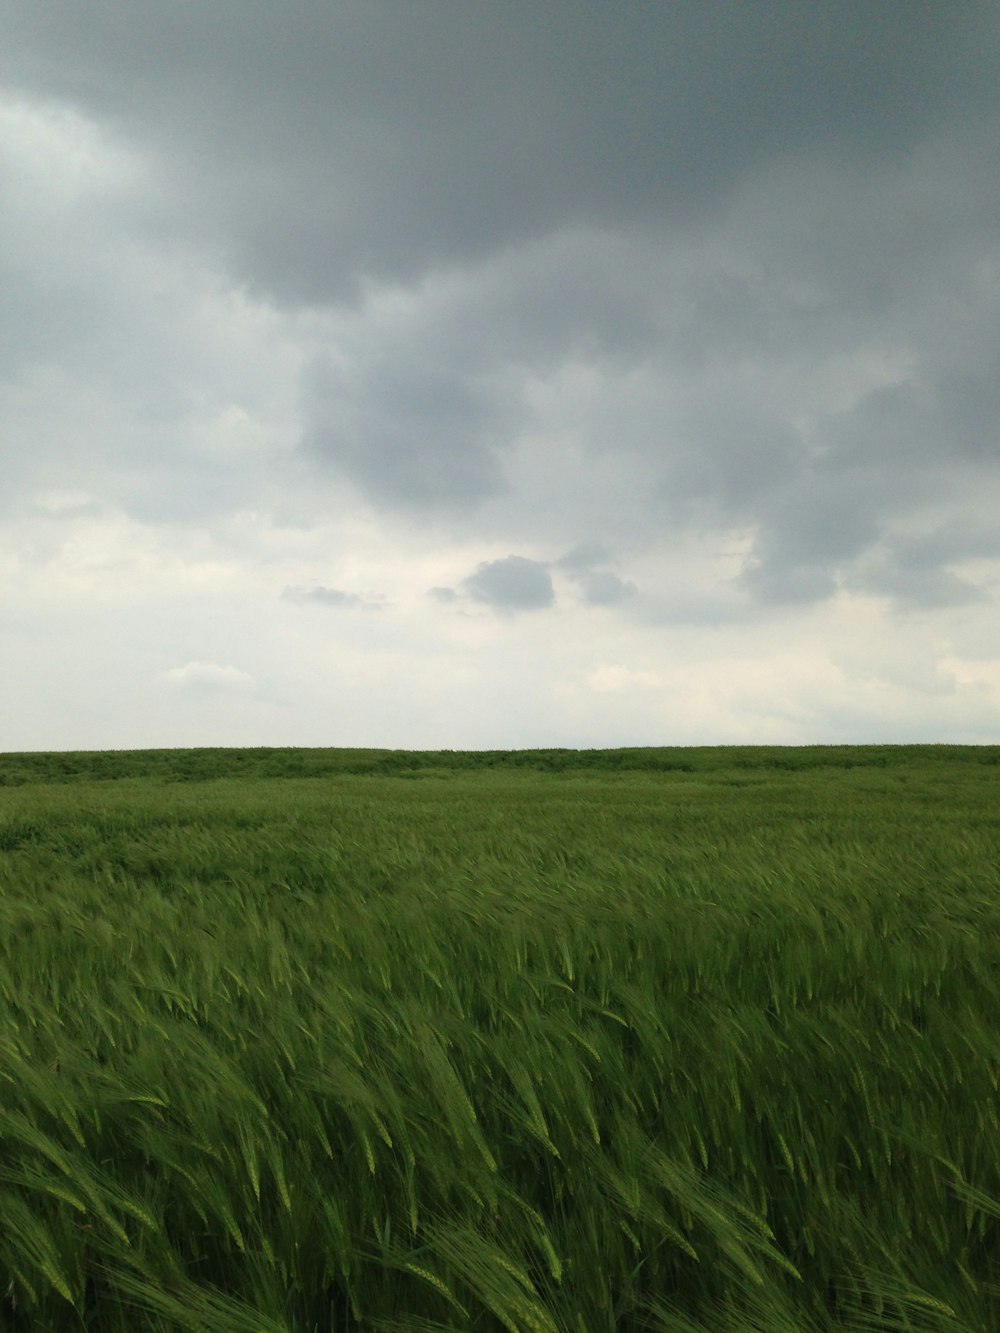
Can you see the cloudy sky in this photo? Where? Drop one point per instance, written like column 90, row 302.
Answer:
column 436, row 373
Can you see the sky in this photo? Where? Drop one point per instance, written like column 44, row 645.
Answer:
column 499, row 374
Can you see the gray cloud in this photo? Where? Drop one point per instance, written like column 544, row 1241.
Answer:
column 600, row 587
column 583, row 558
column 514, row 583
column 916, row 571
column 916, row 586
column 416, row 435
column 332, row 597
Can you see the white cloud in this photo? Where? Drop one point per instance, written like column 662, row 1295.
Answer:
column 207, row 678
column 619, row 679
column 981, row 676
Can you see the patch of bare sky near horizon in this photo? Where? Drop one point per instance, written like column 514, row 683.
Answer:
column 329, row 310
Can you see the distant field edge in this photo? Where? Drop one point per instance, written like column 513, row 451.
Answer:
column 210, row 763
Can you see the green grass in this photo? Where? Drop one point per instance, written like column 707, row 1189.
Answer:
column 564, row 1041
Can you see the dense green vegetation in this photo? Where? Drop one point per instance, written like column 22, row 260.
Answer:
column 203, row 765
column 551, row 1042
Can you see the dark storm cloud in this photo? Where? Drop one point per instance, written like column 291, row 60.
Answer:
column 317, row 143
column 514, row 583
column 758, row 242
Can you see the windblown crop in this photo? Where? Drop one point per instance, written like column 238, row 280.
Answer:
column 551, row 1043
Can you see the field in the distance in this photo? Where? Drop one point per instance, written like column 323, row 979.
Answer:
column 550, row 1041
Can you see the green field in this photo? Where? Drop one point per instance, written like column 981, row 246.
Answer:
column 549, row 1041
